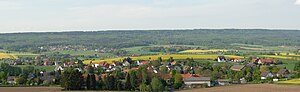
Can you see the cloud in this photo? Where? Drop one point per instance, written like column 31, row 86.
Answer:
column 297, row 2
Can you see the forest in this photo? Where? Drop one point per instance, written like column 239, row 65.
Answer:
column 212, row 38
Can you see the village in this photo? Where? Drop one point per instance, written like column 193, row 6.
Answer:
column 173, row 74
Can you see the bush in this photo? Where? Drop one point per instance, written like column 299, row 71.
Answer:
column 46, row 83
column 177, row 85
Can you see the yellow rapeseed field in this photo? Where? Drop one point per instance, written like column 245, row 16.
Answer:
column 4, row 55
column 203, row 51
column 294, row 81
column 164, row 57
column 281, row 57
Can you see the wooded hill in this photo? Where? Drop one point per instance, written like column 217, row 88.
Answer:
column 212, row 38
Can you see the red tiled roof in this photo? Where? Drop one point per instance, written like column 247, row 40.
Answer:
column 173, row 63
column 103, row 75
column 266, row 60
column 130, row 69
column 144, row 62
column 189, row 75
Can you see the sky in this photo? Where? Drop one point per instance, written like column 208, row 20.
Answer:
column 94, row 15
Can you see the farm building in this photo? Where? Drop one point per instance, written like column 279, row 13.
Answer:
column 194, row 82
column 283, row 73
column 265, row 75
column 223, row 82
column 221, row 59
column 237, row 67
column 265, row 61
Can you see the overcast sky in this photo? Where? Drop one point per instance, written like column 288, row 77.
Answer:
column 84, row 15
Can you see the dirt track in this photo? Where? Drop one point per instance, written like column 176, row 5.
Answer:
column 250, row 88
column 30, row 89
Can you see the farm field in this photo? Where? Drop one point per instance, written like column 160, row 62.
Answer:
column 294, row 81
column 4, row 55
column 137, row 50
column 30, row 89
column 164, row 57
column 290, row 57
column 46, row 68
column 203, row 51
column 249, row 88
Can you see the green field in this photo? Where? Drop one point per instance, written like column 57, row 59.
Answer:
column 137, row 50
column 47, row 68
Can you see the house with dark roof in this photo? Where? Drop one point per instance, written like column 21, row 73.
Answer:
column 237, row 67
column 221, row 59
column 283, row 73
column 11, row 80
column 223, row 82
column 265, row 75
column 194, row 82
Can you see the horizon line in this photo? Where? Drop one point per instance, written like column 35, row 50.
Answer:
column 158, row 29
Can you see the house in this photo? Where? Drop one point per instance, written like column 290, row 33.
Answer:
column 48, row 77
column 189, row 75
column 17, row 62
column 236, row 60
column 237, row 67
column 173, row 63
column 46, row 63
column 103, row 64
column 11, row 80
column 251, row 65
column 265, row 61
column 265, row 75
column 177, row 68
column 57, row 63
column 116, row 63
column 223, row 82
column 283, row 73
column 221, row 59
column 78, row 69
column 57, row 68
column 142, row 62
column 125, row 71
column 194, row 82
column 126, row 63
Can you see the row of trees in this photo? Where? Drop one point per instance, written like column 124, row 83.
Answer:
column 133, row 80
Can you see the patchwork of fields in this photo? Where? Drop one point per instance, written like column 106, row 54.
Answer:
column 204, row 51
column 164, row 57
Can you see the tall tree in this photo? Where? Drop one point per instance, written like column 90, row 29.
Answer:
column 90, row 70
column 72, row 79
column 88, row 82
column 157, row 85
column 133, row 78
column 178, row 81
column 127, row 82
column 3, row 76
column 93, row 82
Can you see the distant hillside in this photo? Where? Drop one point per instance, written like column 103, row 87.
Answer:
column 213, row 38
